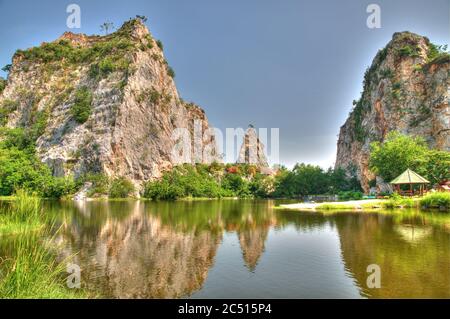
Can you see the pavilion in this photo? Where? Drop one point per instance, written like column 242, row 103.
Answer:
column 410, row 178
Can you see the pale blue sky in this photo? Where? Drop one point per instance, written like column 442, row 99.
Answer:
column 292, row 64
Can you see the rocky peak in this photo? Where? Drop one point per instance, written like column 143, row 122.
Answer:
column 104, row 104
column 405, row 89
column 252, row 150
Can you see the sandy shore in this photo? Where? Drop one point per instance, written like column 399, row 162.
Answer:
column 356, row 204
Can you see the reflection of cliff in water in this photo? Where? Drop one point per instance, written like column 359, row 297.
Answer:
column 155, row 250
column 411, row 248
column 161, row 249
column 408, row 247
column 138, row 257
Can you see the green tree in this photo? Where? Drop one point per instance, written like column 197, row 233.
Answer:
column 121, row 187
column 437, row 166
column 396, row 154
column 399, row 152
column 106, row 27
column 81, row 109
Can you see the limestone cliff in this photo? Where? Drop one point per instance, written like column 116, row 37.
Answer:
column 252, row 149
column 405, row 89
column 102, row 104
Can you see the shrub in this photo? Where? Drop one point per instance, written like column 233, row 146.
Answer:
column 39, row 124
column 408, row 51
column 358, row 116
column 20, row 169
column 437, row 53
column 387, row 73
column 100, row 183
column 2, row 84
column 160, row 44
column 150, row 95
column 396, row 200
column 58, row 187
column 81, row 109
column 170, row 72
column 350, row 195
column 121, row 187
column 7, row 107
column 436, row 200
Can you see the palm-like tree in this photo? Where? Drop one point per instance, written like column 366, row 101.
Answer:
column 106, row 27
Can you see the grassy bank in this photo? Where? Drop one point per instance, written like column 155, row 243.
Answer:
column 439, row 201
column 436, row 200
column 28, row 266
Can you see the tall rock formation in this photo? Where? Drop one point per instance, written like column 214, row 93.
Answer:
column 252, row 150
column 102, row 104
column 407, row 89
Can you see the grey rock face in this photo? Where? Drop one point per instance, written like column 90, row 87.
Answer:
column 134, row 112
column 403, row 91
column 252, row 150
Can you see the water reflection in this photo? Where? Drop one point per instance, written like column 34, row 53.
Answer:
column 168, row 249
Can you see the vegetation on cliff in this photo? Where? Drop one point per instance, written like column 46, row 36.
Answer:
column 2, row 84
column 405, row 90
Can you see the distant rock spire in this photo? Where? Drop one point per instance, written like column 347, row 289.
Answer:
column 252, row 150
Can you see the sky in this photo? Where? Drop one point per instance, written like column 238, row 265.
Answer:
column 288, row 64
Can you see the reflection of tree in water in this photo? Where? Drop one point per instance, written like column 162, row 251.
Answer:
column 161, row 249
column 411, row 248
column 413, row 254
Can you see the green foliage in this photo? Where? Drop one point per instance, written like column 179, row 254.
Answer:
column 312, row 180
column 29, row 268
column 106, row 66
column 108, row 54
column 408, row 51
column 106, row 27
column 58, row 187
column 21, row 169
column 396, row 200
column 399, row 152
column 7, row 107
column 7, row 68
column 170, row 72
column 39, row 123
column 387, row 73
column 121, row 187
column 437, row 53
column 160, row 44
column 81, row 109
column 150, row 95
column 436, row 200
column 436, row 166
column 184, row 181
column 2, row 84
column 100, row 183
column 357, row 115
column 350, row 195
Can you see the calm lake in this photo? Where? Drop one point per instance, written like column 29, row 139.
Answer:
column 247, row 249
